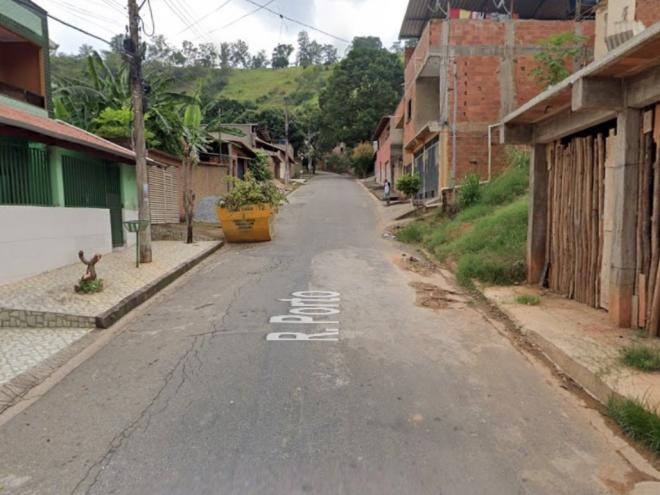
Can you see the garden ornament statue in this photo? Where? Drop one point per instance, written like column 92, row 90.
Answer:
column 88, row 282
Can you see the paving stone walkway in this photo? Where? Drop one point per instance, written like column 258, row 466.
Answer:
column 52, row 292
column 53, row 317
column 24, row 348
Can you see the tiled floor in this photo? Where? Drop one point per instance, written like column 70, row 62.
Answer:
column 53, row 291
column 24, row 348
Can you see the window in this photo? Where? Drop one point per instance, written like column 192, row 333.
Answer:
column 409, row 111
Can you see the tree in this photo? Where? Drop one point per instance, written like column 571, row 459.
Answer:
column 397, row 48
column 315, row 51
column 303, row 56
column 82, row 101
column 159, row 50
column 409, row 184
column 193, row 142
column 85, row 50
column 225, row 55
column 117, row 43
column 554, row 58
column 207, row 55
column 260, row 60
column 362, row 158
column 366, row 42
column 240, row 54
column 329, row 54
column 189, row 51
column 280, row 56
column 307, row 120
column 363, row 87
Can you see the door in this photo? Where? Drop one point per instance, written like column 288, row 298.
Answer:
column 113, row 203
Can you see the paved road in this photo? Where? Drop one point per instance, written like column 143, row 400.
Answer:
column 192, row 399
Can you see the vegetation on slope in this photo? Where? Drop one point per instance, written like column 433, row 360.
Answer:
column 486, row 240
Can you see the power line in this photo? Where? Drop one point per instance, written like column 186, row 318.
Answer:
column 259, row 7
column 175, row 9
column 79, row 29
column 202, row 18
column 282, row 16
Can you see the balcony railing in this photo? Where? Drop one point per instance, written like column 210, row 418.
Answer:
column 22, row 95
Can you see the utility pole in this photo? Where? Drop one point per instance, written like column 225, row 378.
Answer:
column 139, row 142
column 287, row 173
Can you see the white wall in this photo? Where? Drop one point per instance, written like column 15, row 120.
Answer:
column 35, row 239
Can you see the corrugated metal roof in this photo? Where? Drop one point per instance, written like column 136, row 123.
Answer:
column 420, row 11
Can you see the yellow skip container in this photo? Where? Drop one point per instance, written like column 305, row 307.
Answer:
column 252, row 223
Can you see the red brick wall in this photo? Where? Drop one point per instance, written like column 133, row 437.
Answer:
column 478, row 89
column 476, row 32
column 648, row 12
column 480, row 95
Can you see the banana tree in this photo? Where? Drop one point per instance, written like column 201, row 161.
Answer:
column 82, row 101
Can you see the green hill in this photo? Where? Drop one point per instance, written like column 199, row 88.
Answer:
column 269, row 87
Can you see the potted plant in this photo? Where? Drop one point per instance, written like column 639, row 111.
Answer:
column 246, row 213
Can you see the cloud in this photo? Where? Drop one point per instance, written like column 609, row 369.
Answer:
column 262, row 30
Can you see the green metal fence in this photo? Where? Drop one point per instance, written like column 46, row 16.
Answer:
column 84, row 182
column 24, row 175
column 91, row 183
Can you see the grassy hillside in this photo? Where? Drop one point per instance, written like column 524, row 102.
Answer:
column 262, row 88
column 485, row 241
column 269, row 87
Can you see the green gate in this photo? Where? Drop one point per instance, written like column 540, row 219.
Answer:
column 91, row 183
column 24, row 174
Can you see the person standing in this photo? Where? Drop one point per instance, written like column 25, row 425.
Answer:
column 387, row 188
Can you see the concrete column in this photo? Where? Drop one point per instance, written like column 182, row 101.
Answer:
column 56, row 175
column 624, row 197
column 538, row 214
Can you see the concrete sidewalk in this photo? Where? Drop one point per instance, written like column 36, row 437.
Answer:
column 581, row 342
column 44, row 322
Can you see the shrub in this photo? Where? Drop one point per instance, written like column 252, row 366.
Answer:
column 362, row 158
column 638, row 422
column 470, row 191
column 528, row 300
column 338, row 163
column 492, row 249
column 409, row 184
column 259, row 167
column 641, row 357
column 90, row 286
column 413, row 232
column 251, row 191
column 511, row 184
column 552, row 61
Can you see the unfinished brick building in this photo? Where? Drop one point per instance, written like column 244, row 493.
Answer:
column 471, row 66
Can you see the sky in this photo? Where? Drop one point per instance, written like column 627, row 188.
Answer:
column 220, row 20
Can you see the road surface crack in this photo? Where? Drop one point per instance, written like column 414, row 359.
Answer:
column 146, row 414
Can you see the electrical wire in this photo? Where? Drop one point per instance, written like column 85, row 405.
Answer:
column 300, row 23
column 175, row 9
column 203, row 17
column 79, row 29
column 260, row 7
column 153, row 23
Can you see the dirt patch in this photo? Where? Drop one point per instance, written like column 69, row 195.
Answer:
column 433, row 297
column 416, row 265
column 177, row 232
column 632, row 478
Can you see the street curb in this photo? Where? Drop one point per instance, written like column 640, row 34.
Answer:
column 109, row 317
column 586, row 379
column 589, row 381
